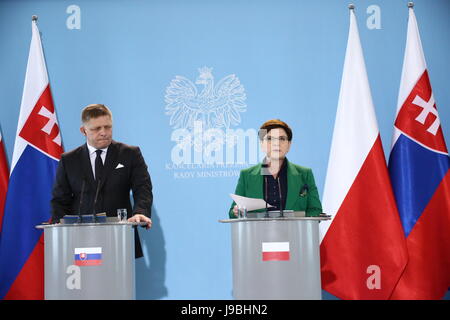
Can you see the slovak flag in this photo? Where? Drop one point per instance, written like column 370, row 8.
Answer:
column 4, row 175
column 88, row 256
column 419, row 169
column 37, row 150
column 362, row 250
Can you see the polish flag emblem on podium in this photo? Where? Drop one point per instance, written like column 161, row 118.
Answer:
column 275, row 251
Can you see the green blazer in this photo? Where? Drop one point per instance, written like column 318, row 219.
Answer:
column 250, row 185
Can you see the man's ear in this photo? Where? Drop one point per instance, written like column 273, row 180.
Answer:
column 83, row 130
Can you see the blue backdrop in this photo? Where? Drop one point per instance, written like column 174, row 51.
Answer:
column 286, row 58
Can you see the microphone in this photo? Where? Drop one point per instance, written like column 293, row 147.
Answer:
column 265, row 173
column 279, row 194
column 95, row 199
column 265, row 196
column 83, row 185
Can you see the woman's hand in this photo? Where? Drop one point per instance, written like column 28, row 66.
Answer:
column 235, row 210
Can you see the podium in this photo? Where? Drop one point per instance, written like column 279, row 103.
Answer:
column 276, row 258
column 89, row 261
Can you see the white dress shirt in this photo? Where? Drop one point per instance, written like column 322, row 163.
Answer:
column 93, row 155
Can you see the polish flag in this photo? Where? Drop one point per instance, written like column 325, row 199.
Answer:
column 419, row 166
column 362, row 248
column 275, row 251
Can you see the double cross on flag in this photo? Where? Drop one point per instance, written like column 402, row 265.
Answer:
column 425, row 128
column 41, row 127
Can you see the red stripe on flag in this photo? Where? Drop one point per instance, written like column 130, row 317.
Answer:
column 29, row 284
column 276, row 256
column 365, row 232
column 83, row 263
column 427, row 275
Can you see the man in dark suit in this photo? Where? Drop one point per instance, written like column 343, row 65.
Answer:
column 98, row 176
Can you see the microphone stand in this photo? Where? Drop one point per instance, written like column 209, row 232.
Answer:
column 266, row 215
column 95, row 200
column 264, row 169
column 81, row 200
column 279, row 193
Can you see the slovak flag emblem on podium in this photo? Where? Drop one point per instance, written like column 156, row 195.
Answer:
column 88, row 256
column 275, row 251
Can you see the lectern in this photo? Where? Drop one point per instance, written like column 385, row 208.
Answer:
column 276, row 257
column 89, row 261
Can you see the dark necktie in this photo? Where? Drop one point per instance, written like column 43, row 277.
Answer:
column 98, row 165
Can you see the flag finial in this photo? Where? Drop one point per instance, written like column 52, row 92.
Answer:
column 351, row 6
column 34, row 17
column 410, row 4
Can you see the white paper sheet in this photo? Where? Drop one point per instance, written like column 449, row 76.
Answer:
column 249, row 203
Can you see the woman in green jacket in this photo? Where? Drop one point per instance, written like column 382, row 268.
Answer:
column 277, row 180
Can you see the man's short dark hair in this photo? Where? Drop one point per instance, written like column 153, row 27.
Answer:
column 94, row 111
column 274, row 124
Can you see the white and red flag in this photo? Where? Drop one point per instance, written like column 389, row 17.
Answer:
column 419, row 166
column 37, row 150
column 275, row 251
column 362, row 250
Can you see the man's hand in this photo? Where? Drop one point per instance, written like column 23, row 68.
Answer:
column 141, row 218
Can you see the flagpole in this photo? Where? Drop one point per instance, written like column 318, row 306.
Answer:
column 351, row 6
column 34, row 17
column 410, row 4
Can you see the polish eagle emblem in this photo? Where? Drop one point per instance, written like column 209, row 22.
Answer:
column 214, row 105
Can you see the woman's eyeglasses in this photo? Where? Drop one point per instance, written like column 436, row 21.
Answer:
column 281, row 139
